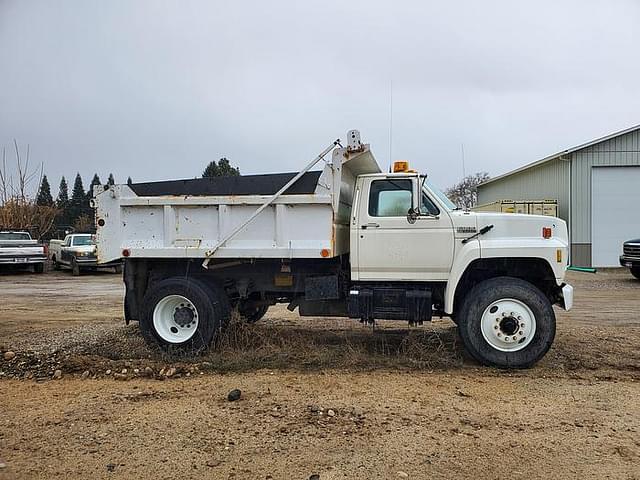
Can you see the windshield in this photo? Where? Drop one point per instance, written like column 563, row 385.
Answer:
column 441, row 196
column 83, row 240
column 14, row 236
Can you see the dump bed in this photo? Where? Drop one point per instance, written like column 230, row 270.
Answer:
column 221, row 217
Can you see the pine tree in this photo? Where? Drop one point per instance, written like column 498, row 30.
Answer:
column 78, row 200
column 211, row 170
column 129, row 181
column 222, row 168
column 94, row 181
column 226, row 170
column 63, row 194
column 111, row 180
column 44, row 195
column 62, row 203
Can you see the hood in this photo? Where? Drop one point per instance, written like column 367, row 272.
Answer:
column 510, row 225
column 629, row 242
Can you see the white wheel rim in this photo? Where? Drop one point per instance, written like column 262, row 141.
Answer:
column 508, row 325
column 175, row 319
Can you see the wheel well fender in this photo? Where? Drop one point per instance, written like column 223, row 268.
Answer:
column 469, row 253
column 534, row 270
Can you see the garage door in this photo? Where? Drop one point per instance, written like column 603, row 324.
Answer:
column 615, row 212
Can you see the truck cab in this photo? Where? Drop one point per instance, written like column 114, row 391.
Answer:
column 403, row 228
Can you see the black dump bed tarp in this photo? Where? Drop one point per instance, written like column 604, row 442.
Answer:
column 241, row 185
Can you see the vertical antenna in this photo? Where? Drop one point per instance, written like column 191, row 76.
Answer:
column 390, row 125
column 464, row 174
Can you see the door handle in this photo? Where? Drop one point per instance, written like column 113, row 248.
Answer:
column 370, row 225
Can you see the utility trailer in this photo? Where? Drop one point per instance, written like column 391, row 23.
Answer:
column 348, row 240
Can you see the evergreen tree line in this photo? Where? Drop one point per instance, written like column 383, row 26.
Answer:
column 74, row 212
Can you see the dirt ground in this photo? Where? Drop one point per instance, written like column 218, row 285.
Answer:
column 319, row 396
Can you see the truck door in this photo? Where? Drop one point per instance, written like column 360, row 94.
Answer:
column 65, row 250
column 392, row 248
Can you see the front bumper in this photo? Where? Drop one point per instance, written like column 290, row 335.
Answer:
column 627, row 261
column 92, row 262
column 566, row 297
column 87, row 261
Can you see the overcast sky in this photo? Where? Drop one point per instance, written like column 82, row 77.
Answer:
column 156, row 89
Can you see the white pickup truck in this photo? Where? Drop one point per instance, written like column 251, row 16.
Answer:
column 350, row 240
column 77, row 252
column 17, row 248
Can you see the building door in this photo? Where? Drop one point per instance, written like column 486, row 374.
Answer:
column 615, row 212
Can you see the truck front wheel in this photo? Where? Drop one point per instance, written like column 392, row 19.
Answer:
column 506, row 322
column 183, row 314
column 635, row 271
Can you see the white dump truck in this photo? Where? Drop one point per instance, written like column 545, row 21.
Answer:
column 349, row 240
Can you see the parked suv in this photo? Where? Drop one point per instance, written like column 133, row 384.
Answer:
column 631, row 256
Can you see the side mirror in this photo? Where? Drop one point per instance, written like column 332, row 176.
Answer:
column 412, row 215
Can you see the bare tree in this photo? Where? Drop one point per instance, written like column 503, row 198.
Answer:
column 18, row 208
column 465, row 193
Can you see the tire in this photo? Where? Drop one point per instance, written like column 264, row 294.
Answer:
column 75, row 268
column 507, row 323
column 38, row 268
column 203, row 311
column 254, row 314
column 635, row 271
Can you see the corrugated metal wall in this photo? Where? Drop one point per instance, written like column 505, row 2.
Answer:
column 623, row 150
column 547, row 181
column 569, row 181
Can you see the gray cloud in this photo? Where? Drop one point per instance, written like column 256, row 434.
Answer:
column 157, row 89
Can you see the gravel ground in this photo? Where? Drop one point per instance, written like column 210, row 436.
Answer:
column 402, row 400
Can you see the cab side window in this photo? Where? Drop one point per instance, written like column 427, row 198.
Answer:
column 390, row 198
column 428, row 207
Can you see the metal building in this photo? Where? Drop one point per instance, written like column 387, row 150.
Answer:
column 597, row 186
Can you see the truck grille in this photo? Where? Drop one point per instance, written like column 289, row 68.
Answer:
column 631, row 250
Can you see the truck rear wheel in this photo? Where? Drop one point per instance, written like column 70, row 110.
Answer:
column 506, row 322
column 183, row 314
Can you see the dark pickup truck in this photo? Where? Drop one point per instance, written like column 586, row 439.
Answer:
column 631, row 256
